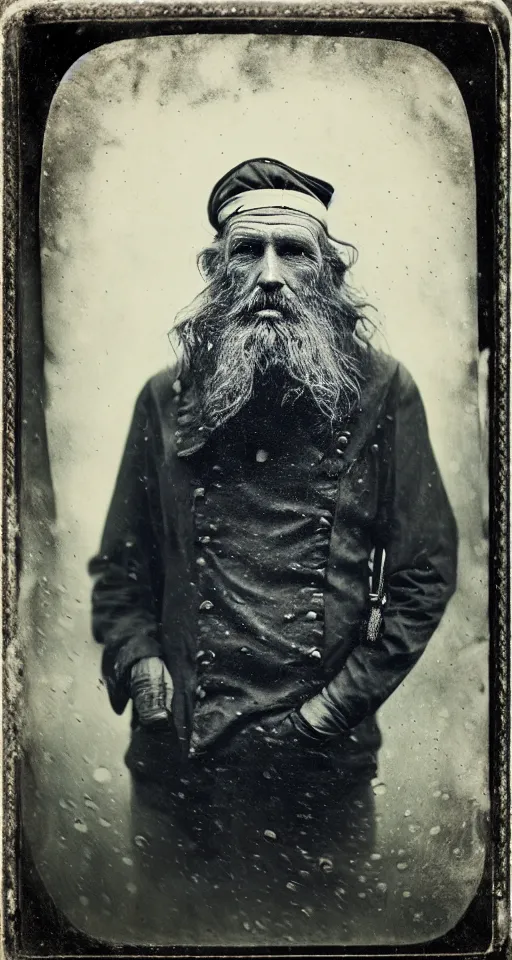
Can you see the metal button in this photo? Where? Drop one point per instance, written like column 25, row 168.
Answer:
column 261, row 456
column 198, row 492
column 311, row 615
column 206, row 605
column 342, row 440
column 316, row 654
column 375, row 448
column 207, row 658
column 201, row 562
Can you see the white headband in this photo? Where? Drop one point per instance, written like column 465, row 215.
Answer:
column 289, row 199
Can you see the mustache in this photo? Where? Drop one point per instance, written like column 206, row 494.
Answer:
column 260, row 299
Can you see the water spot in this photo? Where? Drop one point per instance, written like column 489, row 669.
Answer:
column 434, row 831
column 291, row 885
column 270, row 835
column 246, row 925
column 362, row 879
column 131, row 887
column 406, row 894
column 436, row 794
column 80, row 826
column 326, row 864
column 84, row 901
column 380, row 789
column 402, row 866
column 382, row 887
column 102, row 775
column 407, row 813
column 104, row 823
column 261, row 456
column 91, row 804
column 445, row 796
column 140, row 841
column 362, row 896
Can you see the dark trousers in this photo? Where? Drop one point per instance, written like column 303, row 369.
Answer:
column 266, row 849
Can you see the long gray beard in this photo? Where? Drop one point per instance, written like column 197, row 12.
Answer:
column 302, row 356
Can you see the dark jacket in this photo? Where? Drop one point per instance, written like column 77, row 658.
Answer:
column 388, row 491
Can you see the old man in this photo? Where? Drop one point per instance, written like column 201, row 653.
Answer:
column 278, row 551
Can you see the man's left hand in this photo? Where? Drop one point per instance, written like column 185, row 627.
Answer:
column 288, row 726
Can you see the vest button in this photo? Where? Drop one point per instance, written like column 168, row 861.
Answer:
column 311, row 615
column 201, row 562
column 375, row 447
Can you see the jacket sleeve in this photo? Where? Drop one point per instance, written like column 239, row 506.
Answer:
column 421, row 564
column 127, row 592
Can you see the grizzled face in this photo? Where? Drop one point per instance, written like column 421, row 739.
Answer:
column 276, row 304
column 279, row 256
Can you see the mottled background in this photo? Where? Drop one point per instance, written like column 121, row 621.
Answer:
column 138, row 133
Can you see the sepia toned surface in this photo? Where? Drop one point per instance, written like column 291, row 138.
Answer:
column 138, row 133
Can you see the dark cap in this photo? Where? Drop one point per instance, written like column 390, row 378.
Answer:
column 260, row 183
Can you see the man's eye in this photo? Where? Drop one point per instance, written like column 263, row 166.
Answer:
column 294, row 250
column 246, row 249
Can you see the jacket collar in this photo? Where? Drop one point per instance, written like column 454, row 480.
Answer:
column 192, row 434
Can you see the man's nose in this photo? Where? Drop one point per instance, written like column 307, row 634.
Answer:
column 270, row 275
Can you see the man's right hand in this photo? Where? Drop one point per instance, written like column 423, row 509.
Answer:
column 151, row 690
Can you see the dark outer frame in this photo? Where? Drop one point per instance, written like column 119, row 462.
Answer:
column 40, row 41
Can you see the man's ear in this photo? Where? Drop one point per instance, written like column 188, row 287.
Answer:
column 209, row 259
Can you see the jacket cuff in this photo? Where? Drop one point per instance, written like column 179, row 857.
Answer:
column 116, row 667
column 322, row 714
